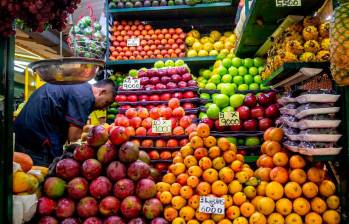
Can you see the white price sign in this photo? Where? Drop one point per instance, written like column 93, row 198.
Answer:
column 212, row 205
column 288, row 3
column 133, row 42
column 229, row 118
column 161, row 126
column 131, row 84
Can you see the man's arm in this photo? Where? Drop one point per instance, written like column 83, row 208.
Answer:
column 74, row 132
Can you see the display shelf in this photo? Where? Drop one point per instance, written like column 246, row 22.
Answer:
column 292, row 73
column 160, row 148
column 322, row 158
column 161, row 161
column 145, row 103
column 157, row 91
column 250, row 159
column 237, row 133
column 261, row 21
column 219, row 9
column 161, row 137
column 209, row 91
column 252, row 147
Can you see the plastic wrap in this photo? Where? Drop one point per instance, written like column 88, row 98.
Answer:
column 317, row 96
column 319, row 121
column 313, row 108
column 319, row 148
column 289, row 109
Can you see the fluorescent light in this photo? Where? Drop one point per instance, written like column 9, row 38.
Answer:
column 21, row 63
column 92, row 81
column 19, row 69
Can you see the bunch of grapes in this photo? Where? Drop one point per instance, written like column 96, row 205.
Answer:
column 36, row 14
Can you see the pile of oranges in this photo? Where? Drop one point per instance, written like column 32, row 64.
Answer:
column 207, row 166
column 290, row 191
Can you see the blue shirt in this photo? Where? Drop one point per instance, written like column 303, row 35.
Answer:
column 45, row 119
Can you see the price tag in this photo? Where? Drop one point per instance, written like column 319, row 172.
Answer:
column 229, row 118
column 133, row 42
column 131, row 84
column 212, row 205
column 161, row 126
column 288, row 3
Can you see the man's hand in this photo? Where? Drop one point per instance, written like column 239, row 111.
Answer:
column 74, row 132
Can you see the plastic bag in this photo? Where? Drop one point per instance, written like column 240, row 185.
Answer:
column 319, row 121
column 24, row 208
column 313, row 108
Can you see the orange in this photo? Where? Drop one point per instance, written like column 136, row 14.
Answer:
column 187, row 213
column 265, row 161
column 201, row 216
column 266, row 135
column 182, row 179
column 240, row 157
column 274, row 190
column 242, row 176
column 272, row 148
column 318, row 205
column 228, row 199
column 219, row 188
column 276, row 218
column 301, row 206
column 298, row 175
column 316, row 175
column 293, row 190
column 276, row 134
column 280, row 159
column 178, row 168
column 333, row 202
column 186, row 192
column 223, row 144
column 193, row 181
column 191, row 134
column 255, row 201
column 178, row 220
column 264, row 146
column 240, row 220
column 234, row 187
column 190, row 161
column 313, row 218
column 175, row 188
column 293, row 218
column 284, row 206
column 257, row 218
column 203, row 130
column 205, row 163
column 233, row 147
column 177, row 159
column 214, row 152
column 200, row 153
column 279, row 174
column 263, row 173
column 209, row 221
column 210, row 175
column 225, row 221
column 239, row 198
column 226, row 175
column 261, row 188
column 331, row 217
column 232, row 212
column 194, row 201
column 218, row 163
column 169, row 178
column 196, row 142
column 248, row 170
column 266, row 206
column 186, row 151
column 162, row 186
column 327, row 188
column 216, row 217
column 178, row 202
column 195, row 171
column 310, row 189
column 170, row 213
column 229, row 156
column 165, row 197
column 21, row 182
column 247, row 209
column 236, row 166
column 297, row 162
column 210, row 141
column 203, row 188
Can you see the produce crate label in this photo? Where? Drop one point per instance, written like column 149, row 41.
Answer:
column 229, row 118
column 161, row 126
column 288, row 3
column 133, row 42
column 131, row 84
column 212, row 205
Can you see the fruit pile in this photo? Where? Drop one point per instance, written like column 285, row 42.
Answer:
column 306, row 41
column 207, row 166
column 291, row 191
column 101, row 181
column 212, row 44
column 148, row 42
column 35, row 14
column 153, row 3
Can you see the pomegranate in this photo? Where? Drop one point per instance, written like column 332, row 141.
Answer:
column 109, row 206
column 123, row 188
column 128, row 152
column 138, row 170
column 77, row 188
column 45, row 206
column 83, row 152
column 106, row 153
column 114, row 220
column 87, row 207
column 130, row 207
column 91, row 169
column 65, row 208
column 93, row 220
column 100, row 187
column 97, row 136
column 116, row 171
column 145, row 189
column 152, row 208
column 67, row 169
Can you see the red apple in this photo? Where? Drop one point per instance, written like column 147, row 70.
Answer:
column 263, row 99
column 135, row 122
column 244, row 112
column 132, row 98
column 160, row 86
column 257, row 112
column 186, row 77
column 192, row 83
column 143, row 98
column 218, row 127
column 237, row 127
column 272, row 111
column 154, row 80
column 154, row 97
column 144, row 81
column 120, row 98
column 176, row 78
column 171, row 85
column 264, row 124
column 182, row 84
column 272, row 96
column 165, row 80
column 177, row 95
column 188, row 95
column 250, row 100
column 149, row 87
column 250, row 125
column 188, row 106
column 165, row 96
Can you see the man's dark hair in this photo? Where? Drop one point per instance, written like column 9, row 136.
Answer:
column 105, row 82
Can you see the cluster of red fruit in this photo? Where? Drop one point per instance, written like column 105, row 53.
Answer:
column 35, row 14
column 158, row 43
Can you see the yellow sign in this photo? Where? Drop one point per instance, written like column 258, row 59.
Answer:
column 161, row 126
column 229, row 118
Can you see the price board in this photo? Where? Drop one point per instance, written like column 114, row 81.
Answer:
column 212, row 205
column 161, row 126
column 131, row 84
column 288, row 3
column 229, row 118
column 133, row 42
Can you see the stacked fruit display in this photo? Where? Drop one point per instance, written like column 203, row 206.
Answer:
column 291, row 191
column 213, row 44
column 153, row 3
column 306, row 41
column 146, row 41
column 101, row 181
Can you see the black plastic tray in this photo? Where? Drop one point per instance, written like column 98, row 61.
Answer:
column 164, row 137
column 149, row 92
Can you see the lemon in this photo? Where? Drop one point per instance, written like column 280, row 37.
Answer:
column 190, row 41
column 192, row 53
column 228, row 34
column 197, row 46
column 205, row 40
column 215, row 35
column 194, row 33
column 203, row 53
column 218, row 45
column 213, row 53
column 208, row 46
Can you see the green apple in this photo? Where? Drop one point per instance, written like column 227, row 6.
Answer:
column 230, row 56
column 207, row 74
column 257, row 79
column 236, row 62
column 202, row 115
column 260, row 70
column 133, row 73
column 179, row 63
column 216, row 79
column 253, row 71
column 227, row 78
column 213, row 111
column 169, row 63
column 233, row 71
column 220, row 86
column 200, row 79
column 226, row 62
column 201, row 85
column 248, row 79
column 228, row 109
column 242, row 70
column 252, row 141
column 248, row 62
column 207, row 105
column 263, row 87
column 253, row 86
column 258, row 62
column 232, row 140
column 221, row 100
column 159, row 64
column 238, row 80
column 210, row 86
column 213, row 95
column 222, row 71
column 243, row 87
column 236, row 100
column 241, row 141
column 205, row 96
column 228, row 89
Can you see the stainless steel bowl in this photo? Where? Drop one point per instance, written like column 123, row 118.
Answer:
column 67, row 70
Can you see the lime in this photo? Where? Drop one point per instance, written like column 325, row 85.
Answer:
column 263, row 87
column 232, row 140
column 252, row 141
column 202, row 115
column 248, row 62
column 258, row 62
column 236, row 62
column 207, row 74
column 260, row 70
column 216, row 79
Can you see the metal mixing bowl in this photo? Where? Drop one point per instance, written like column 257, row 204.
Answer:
column 67, row 70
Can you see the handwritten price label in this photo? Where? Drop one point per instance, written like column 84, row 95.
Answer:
column 131, row 84
column 161, row 126
column 212, row 205
column 133, row 42
column 229, row 118
column 288, row 3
